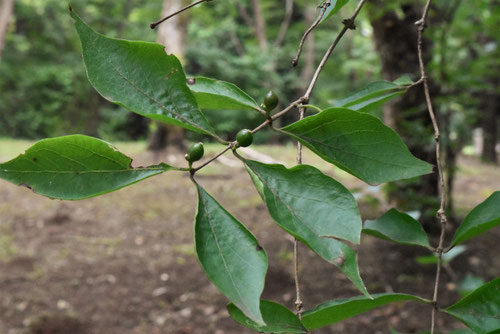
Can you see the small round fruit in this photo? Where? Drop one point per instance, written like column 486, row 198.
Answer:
column 244, row 138
column 195, row 152
column 270, row 101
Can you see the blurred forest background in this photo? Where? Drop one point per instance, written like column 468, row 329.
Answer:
column 44, row 92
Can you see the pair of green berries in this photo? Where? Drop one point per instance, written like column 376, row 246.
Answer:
column 244, row 137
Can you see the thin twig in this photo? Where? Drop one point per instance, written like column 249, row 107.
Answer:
column 285, row 24
column 441, row 214
column 323, row 7
column 155, row 24
column 229, row 146
column 298, row 301
column 348, row 24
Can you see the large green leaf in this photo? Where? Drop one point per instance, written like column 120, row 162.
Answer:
column 372, row 96
column 278, row 319
column 141, row 77
column 331, row 250
column 334, row 7
column 74, row 167
column 230, row 256
column 358, row 143
column 338, row 310
column 480, row 310
column 397, row 227
column 220, row 95
column 304, row 195
column 482, row 218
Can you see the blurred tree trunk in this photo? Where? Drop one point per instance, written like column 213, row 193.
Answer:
column 396, row 42
column 6, row 9
column 260, row 25
column 489, row 123
column 171, row 34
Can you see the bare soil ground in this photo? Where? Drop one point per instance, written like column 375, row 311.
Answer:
column 124, row 263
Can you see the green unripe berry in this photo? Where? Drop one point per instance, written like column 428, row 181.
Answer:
column 244, row 138
column 270, row 101
column 195, row 152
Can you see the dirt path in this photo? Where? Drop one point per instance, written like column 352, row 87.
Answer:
column 124, row 263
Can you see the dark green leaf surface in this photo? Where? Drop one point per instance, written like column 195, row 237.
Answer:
column 74, row 167
column 338, row 310
column 220, row 95
column 304, row 195
column 230, row 256
column 331, row 250
column 358, row 143
column 482, row 218
column 334, row 7
column 141, row 77
column 278, row 319
column 480, row 310
column 371, row 96
column 397, row 227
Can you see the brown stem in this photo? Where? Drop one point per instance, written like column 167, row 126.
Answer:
column 298, row 301
column 441, row 214
column 155, row 24
column 323, row 7
column 348, row 24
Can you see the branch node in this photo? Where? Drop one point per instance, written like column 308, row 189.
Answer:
column 349, row 23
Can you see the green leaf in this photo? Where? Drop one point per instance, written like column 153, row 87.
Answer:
column 371, row 96
column 304, row 195
column 397, row 227
column 341, row 309
column 74, row 167
column 220, row 95
column 446, row 258
column 480, row 310
column 329, row 249
column 334, row 7
column 358, row 143
column 483, row 217
column 230, row 256
column 141, row 77
column 278, row 319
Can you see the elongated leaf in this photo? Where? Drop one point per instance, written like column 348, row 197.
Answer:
column 329, row 249
column 306, row 196
column 230, row 256
column 480, row 310
column 397, row 227
column 220, row 95
column 334, row 7
column 341, row 309
column 483, row 217
column 74, row 167
column 358, row 143
column 371, row 96
column 278, row 319
column 141, row 77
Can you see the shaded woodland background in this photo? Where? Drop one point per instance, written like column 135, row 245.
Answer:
column 44, row 92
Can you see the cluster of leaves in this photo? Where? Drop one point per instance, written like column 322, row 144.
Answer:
column 309, row 205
